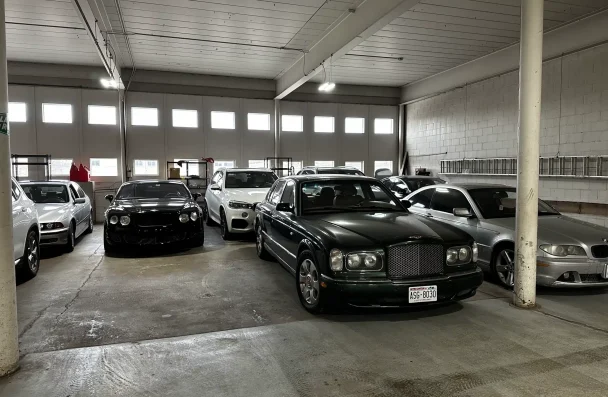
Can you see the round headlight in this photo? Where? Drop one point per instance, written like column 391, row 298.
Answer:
column 125, row 220
column 183, row 218
column 336, row 260
column 113, row 219
column 451, row 255
column 354, row 261
column 194, row 216
column 464, row 254
column 370, row 261
column 560, row 250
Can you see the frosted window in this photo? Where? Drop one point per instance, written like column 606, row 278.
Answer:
column 56, row 113
column 324, row 163
column 383, row 126
column 144, row 116
column 61, row 167
column 102, row 115
column 223, row 163
column 292, row 123
column 256, row 163
column 383, row 164
column 104, row 167
column 324, row 124
column 297, row 166
column 355, row 164
column 145, row 167
column 185, row 118
column 354, row 125
column 258, row 121
column 17, row 112
column 193, row 169
column 222, row 120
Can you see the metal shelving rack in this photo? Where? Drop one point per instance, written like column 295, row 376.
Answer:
column 43, row 160
column 193, row 182
column 276, row 164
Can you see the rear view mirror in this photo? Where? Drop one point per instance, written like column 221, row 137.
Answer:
column 109, row 197
column 80, row 201
column 285, row 207
column 462, row 212
column 215, row 186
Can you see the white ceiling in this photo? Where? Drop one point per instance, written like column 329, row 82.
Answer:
column 261, row 38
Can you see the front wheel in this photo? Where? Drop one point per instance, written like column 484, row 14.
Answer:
column 226, row 235
column 30, row 262
column 503, row 267
column 69, row 247
column 308, row 284
column 91, row 224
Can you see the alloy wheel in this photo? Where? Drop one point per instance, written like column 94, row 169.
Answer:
column 32, row 254
column 309, row 282
column 259, row 242
column 505, row 267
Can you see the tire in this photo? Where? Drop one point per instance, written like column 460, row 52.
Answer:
column 69, row 247
column 259, row 244
column 312, row 297
column 503, row 266
column 206, row 217
column 91, row 224
column 107, row 247
column 198, row 241
column 30, row 262
column 226, row 235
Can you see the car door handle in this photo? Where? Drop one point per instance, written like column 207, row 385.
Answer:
column 428, row 215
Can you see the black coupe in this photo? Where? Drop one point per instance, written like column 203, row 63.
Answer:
column 348, row 239
column 147, row 213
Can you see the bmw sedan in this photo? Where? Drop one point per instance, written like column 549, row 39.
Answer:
column 570, row 253
column 348, row 239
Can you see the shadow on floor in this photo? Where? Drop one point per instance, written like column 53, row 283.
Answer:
column 355, row 314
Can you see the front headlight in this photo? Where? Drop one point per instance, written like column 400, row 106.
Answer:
column 459, row 255
column 113, row 219
column 359, row 261
column 51, row 226
column 336, row 260
column 183, row 218
column 125, row 220
column 240, row 205
column 194, row 215
column 563, row 250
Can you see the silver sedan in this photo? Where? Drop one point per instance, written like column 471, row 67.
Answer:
column 64, row 211
column 571, row 253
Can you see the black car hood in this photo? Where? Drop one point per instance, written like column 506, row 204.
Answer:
column 144, row 205
column 366, row 229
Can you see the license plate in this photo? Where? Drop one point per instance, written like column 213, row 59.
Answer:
column 423, row 294
column 605, row 272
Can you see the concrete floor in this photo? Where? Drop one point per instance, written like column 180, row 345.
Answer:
column 217, row 321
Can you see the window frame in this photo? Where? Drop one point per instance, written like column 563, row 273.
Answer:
column 185, row 111
column 45, row 104
column 283, row 116
column 333, row 124
column 257, row 114
column 89, row 107
column 224, row 112
column 357, row 118
column 24, row 112
column 104, row 158
column 392, row 131
column 157, row 168
column 132, row 118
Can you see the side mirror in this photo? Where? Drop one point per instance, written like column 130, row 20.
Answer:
column 463, row 212
column 285, row 207
column 80, row 201
column 215, row 186
column 195, row 196
column 109, row 197
column 406, row 203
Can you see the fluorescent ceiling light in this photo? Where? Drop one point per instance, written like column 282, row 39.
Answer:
column 109, row 83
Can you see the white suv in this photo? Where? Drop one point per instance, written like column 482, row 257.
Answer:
column 231, row 197
column 26, row 236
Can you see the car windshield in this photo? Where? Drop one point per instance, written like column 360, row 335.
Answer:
column 153, row 191
column 339, row 171
column 415, row 184
column 346, row 195
column 47, row 194
column 500, row 203
column 249, row 180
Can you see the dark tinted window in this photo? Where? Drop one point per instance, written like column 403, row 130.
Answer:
column 249, row 180
column 153, row 191
column 81, row 193
column 55, row 194
column 422, row 199
column 288, row 196
column 275, row 196
column 16, row 192
column 445, row 200
column 73, row 193
column 501, row 203
column 339, row 171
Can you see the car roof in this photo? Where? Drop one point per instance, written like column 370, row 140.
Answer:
column 470, row 186
column 329, row 177
column 244, row 169
column 414, row 177
column 139, row 182
column 52, row 182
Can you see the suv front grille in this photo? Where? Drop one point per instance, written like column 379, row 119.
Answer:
column 412, row 260
column 599, row 251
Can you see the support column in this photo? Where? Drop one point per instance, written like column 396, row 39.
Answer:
column 401, row 141
column 122, row 125
column 530, row 86
column 277, row 129
column 9, row 346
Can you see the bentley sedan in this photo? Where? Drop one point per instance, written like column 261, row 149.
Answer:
column 145, row 213
column 347, row 239
column 570, row 253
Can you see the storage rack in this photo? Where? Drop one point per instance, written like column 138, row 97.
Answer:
column 43, row 160
column 276, row 164
column 557, row 166
column 193, row 182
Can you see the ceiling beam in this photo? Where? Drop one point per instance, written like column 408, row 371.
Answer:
column 356, row 27
column 96, row 23
column 583, row 33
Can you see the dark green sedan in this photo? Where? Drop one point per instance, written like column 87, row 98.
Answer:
column 347, row 239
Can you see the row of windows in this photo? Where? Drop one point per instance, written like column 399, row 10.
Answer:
column 109, row 166
column 187, row 118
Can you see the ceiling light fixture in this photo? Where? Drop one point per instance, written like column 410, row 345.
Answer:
column 109, row 83
column 327, row 85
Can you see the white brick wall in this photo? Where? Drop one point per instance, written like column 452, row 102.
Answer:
column 480, row 121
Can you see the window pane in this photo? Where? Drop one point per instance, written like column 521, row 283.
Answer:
column 144, row 116
column 383, row 126
column 22, row 170
column 324, row 163
column 445, row 200
column 223, row 163
column 422, row 199
column 383, row 164
column 297, row 166
column 222, row 120
column 324, row 124
column 354, row 125
column 61, row 167
column 145, row 167
column 256, row 163
column 56, row 113
column 355, row 164
column 258, row 121
column 292, row 123
column 193, row 169
column 104, row 167
column 17, row 112
column 102, row 115
column 185, row 118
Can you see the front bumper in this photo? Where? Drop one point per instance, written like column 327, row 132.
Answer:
column 152, row 236
column 385, row 292
column 54, row 237
column 582, row 273
column 237, row 222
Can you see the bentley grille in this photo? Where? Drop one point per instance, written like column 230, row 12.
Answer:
column 412, row 260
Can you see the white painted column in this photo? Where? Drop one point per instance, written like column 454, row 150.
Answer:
column 277, row 129
column 530, row 86
column 9, row 346
column 401, row 140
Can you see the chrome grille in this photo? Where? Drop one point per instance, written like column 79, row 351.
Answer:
column 411, row 260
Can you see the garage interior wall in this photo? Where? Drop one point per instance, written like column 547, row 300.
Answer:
column 481, row 119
